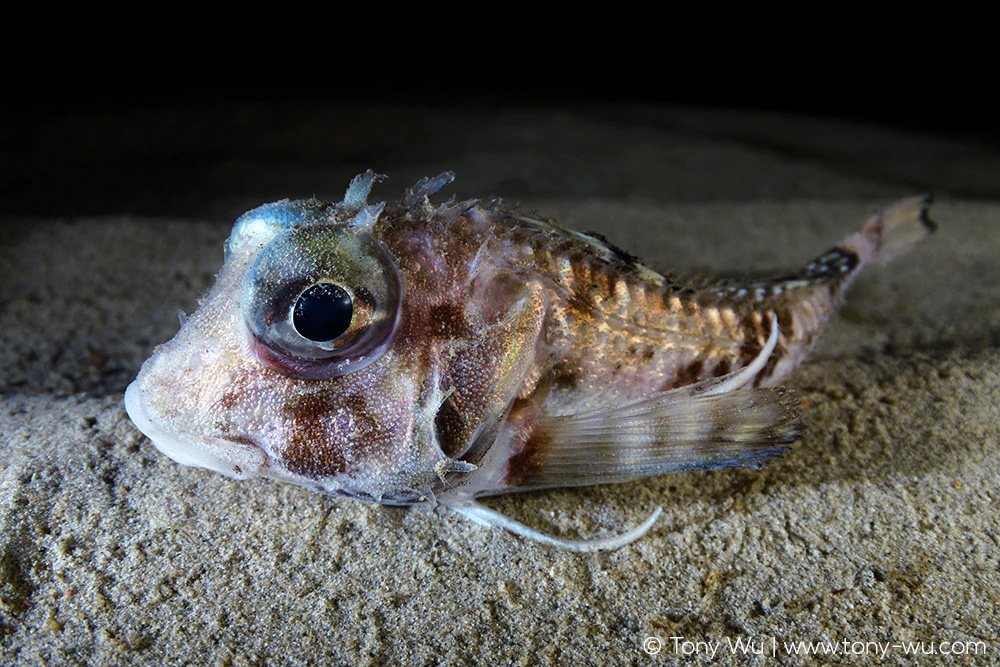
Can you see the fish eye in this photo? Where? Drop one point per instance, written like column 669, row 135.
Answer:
column 323, row 312
column 321, row 301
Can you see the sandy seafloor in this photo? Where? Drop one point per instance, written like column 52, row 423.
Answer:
column 879, row 526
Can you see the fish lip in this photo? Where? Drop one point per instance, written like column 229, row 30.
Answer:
column 244, row 462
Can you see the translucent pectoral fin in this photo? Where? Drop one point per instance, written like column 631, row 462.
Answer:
column 716, row 423
column 673, row 431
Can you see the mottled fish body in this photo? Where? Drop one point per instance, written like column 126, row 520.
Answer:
column 409, row 352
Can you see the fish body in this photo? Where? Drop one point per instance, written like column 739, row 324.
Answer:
column 413, row 352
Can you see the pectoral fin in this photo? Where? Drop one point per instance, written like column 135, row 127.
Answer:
column 683, row 429
column 661, row 434
column 716, row 423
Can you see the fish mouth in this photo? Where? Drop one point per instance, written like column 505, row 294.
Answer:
column 238, row 458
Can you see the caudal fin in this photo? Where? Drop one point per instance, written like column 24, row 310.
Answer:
column 900, row 227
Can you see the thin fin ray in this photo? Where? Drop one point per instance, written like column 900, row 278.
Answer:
column 490, row 518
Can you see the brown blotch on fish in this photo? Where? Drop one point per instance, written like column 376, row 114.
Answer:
column 449, row 428
column 357, row 402
column 308, row 450
column 528, row 461
column 689, row 374
column 580, row 305
column 754, row 330
column 447, row 320
column 239, row 440
column 785, row 323
column 313, row 406
column 230, row 399
column 565, row 375
column 768, row 369
column 748, row 350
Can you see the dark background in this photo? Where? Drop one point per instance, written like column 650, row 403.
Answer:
column 203, row 151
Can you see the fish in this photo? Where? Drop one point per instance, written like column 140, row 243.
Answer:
column 416, row 352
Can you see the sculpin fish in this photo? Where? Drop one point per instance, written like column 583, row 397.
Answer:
column 411, row 352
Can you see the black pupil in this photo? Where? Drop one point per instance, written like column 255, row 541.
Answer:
column 323, row 312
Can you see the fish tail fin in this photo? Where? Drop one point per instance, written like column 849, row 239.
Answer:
column 895, row 231
column 884, row 237
column 809, row 295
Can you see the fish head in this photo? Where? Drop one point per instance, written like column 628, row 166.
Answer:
column 275, row 373
column 308, row 361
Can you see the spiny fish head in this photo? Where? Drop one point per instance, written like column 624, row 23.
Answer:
column 324, row 353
